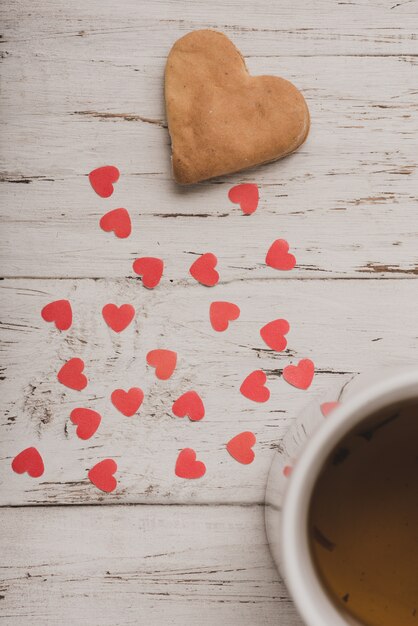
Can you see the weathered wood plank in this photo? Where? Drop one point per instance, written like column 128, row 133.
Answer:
column 139, row 565
column 269, row 28
column 346, row 201
column 344, row 326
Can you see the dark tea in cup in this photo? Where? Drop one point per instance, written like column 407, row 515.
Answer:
column 363, row 520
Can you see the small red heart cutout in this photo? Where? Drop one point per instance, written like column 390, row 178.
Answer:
column 101, row 475
column 150, row 269
column 203, row 270
column 279, row 257
column 87, row 422
column 118, row 317
column 287, row 470
column 253, row 387
column 300, row 375
column 246, row 195
column 190, row 404
column 328, row 407
column 273, row 334
column 187, row 466
column 30, row 461
column 221, row 313
column 117, row 221
column 127, row 402
column 102, row 179
column 59, row 312
column 240, row 447
column 164, row 362
column 71, row 375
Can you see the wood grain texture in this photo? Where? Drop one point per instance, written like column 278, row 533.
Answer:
column 82, row 87
column 344, row 326
column 102, row 566
column 346, row 200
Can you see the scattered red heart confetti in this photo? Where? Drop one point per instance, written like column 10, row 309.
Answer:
column 190, row 404
column 203, row 270
column 117, row 221
column 278, row 256
column 246, row 195
column 253, row 387
column 300, row 375
column 328, row 407
column 273, row 334
column 287, row 470
column 118, row 318
column 30, row 461
column 150, row 269
column 240, row 447
column 102, row 179
column 87, row 422
column 101, row 475
column 71, row 375
column 127, row 402
column 59, row 312
column 164, row 362
column 187, row 466
column 221, row 313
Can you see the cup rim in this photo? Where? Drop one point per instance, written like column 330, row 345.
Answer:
column 312, row 601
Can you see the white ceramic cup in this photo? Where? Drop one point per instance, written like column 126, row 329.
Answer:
column 293, row 475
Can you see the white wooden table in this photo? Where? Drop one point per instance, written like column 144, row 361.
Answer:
column 82, row 87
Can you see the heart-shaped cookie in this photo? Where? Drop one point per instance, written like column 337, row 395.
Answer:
column 221, row 119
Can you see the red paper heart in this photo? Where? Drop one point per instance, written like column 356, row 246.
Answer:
column 150, row 269
column 221, row 313
column 164, row 362
column 71, row 375
column 118, row 318
column 187, row 466
column 287, row 470
column 203, row 270
column 117, row 221
column 240, row 447
column 101, row 475
column 246, row 195
column 328, row 407
column 253, row 387
column 87, row 422
column 58, row 312
column 190, row 404
column 273, row 334
column 102, row 179
column 127, row 402
column 278, row 256
column 30, row 461
column 300, row 375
